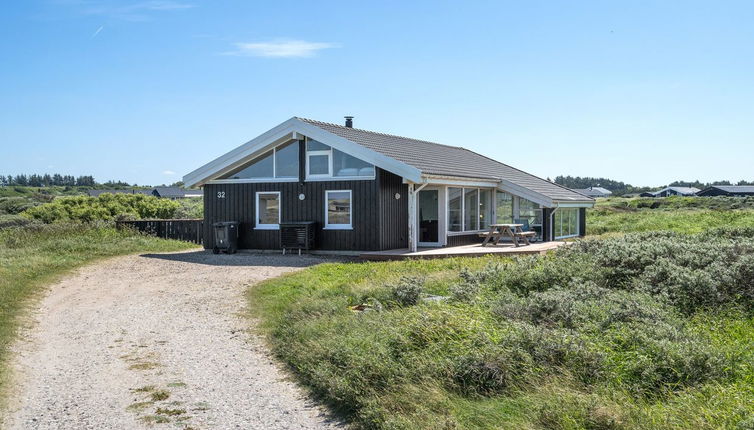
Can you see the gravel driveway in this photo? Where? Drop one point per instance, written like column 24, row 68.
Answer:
column 156, row 341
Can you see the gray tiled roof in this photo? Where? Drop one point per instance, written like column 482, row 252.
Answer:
column 594, row 191
column 735, row 188
column 436, row 159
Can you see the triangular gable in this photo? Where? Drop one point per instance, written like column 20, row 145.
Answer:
column 286, row 131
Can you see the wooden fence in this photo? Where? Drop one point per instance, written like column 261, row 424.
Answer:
column 188, row 230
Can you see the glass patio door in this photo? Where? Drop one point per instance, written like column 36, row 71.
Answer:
column 428, row 217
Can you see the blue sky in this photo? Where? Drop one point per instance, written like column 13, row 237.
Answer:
column 145, row 91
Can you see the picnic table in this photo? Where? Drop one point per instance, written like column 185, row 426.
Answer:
column 514, row 231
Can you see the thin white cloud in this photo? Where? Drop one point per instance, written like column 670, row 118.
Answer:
column 280, row 49
column 97, row 32
column 133, row 11
column 168, row 172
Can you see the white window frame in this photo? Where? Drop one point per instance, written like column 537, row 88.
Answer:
column 463, row 210
column 257, row 225
column 348, row 226
column 578, row 224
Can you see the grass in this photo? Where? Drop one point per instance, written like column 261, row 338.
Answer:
column 679, row 214
column 637, row 332
column 31, row 258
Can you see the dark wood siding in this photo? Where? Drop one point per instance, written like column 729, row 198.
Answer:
column 582, row 222
column 379, row 220
column 546, row 220
column 393, row 216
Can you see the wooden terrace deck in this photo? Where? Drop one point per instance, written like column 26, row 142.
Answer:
column 474, row 250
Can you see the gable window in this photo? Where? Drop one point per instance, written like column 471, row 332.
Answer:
column 338, row 209
column 350, row 166
column 268, row 210
column 323, row 161
column 286, row 160
column 278, row 163
column 318, row 159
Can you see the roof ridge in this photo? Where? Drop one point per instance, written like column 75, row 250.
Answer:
column 377, row 132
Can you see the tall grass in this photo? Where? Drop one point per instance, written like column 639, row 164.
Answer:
column 32, row 257
column 643, row 331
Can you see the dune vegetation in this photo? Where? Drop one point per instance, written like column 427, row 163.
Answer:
column 642, row 331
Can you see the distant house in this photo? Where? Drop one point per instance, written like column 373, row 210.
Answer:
column 728, row 190
column 175, row 193
column 97, row 193
column 160, row 192
column 672, row 191
column 595, row 192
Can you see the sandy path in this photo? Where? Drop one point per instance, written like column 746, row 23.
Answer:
column 115, row 336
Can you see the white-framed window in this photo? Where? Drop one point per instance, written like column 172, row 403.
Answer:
column 318, row 159
column 565, row 223
column 268, row 210
column 324, row 162
column 280, row 162
column 338, row 209
column 469, row 209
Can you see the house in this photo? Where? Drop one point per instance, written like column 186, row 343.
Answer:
column 672, row 191
column 97, row 193
column 374, row 191
column 160, row 192
column 595, row 192
column 175, row 193
column 727, row 190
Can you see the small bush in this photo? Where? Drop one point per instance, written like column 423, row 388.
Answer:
column 408, row 290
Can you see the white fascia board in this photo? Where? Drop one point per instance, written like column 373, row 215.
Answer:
column 460, row 181
column 365, row 154
column 518, row 190
column 575, row 204
column 288, row 130
column 232, row 159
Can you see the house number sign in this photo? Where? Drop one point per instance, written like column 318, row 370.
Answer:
column 221, row 194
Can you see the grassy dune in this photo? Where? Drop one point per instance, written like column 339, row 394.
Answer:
column 31, row 258
column 637, row 332
column 679, row 214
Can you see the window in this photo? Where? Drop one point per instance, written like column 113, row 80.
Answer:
column 268, row 210
column 281, row 162
column 455, row 209
column 261, row 168
column 338, row 209
column 317, row 158
column 324, row 161
column 469, row 209
column 565, row 223
column 286, row 160
column 485, row 208
column 347, row 165
column 528, row 210
column 504, row 204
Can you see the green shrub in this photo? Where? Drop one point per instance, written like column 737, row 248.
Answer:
column 105, row 207
column 408, row 290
